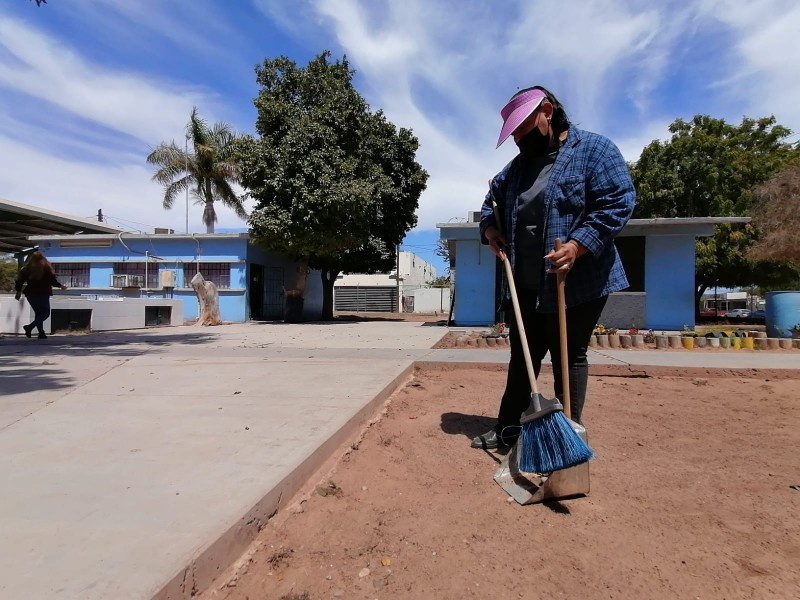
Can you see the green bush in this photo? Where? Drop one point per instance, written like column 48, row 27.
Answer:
column 8, row 273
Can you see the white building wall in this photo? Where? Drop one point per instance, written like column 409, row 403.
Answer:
column 432, row 300
column 107, row 314
column 415, row 273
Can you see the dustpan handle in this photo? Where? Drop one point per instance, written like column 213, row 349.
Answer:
column 512, row 288
column 562, row 336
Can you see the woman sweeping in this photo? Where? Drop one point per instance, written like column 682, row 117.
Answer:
column 38, row 280
column 569, row 184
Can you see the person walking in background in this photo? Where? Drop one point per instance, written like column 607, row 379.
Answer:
column 569, row 184
column 38, row 279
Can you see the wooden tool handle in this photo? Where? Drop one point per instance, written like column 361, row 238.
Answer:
column 512, row 288
column 562, row 335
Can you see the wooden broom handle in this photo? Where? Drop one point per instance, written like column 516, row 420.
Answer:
column 512, row 288
column 562, row 336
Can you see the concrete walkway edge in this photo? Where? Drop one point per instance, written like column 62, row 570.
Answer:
column 209, row 564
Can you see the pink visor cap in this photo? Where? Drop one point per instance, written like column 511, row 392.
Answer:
column 517, row 110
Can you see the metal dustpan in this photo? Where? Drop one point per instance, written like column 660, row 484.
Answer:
column 531, row 488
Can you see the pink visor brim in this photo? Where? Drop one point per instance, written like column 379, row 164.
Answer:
column 517, row 110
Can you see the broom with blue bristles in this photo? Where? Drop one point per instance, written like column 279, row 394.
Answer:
column 548, row 442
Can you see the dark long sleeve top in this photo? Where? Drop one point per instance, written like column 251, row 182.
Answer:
column 36, row 286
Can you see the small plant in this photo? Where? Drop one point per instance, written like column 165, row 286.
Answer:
column 612, row 330
column 687, row 331
column 499, row 328
column 600, row 329
column 650, row 337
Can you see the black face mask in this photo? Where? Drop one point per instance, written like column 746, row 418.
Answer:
column 534, row 143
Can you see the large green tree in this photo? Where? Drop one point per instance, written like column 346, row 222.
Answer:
column 209, row 169
column 709, row 168
column 336, row 186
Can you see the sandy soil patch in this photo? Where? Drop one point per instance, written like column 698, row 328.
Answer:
column 695, row 494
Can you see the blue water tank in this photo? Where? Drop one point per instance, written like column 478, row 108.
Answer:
column 782, row 313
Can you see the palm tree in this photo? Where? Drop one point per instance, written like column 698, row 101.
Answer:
column 209, row 171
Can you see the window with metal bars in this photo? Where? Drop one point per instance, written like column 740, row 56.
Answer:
column 72, row 274
column 218, row 273
column 138, row 268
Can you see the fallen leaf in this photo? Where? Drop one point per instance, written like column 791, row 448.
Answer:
column 386, row 561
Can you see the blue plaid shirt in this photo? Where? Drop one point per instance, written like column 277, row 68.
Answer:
column 589, row 198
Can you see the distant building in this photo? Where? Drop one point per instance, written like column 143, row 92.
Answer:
column 251, row 282
column 380, row 292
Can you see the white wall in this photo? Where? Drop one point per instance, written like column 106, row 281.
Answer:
column 119, row 313
column 415, row 272
column 431, row 300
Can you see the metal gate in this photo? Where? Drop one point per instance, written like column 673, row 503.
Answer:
column 273, row 293
column 365, row 299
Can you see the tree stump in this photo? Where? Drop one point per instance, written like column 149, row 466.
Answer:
column 208, row 296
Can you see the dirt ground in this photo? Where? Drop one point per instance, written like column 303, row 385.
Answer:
column 695, row 493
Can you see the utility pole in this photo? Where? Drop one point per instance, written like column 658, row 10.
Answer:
column 399, row 300
column 186, row 157
column 100, row 215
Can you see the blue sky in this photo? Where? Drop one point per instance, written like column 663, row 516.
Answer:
column 89, row 87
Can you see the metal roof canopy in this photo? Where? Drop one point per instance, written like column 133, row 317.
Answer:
column 19, row 221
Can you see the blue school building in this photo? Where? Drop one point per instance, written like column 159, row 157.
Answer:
column 659, row 260
column 251, row 281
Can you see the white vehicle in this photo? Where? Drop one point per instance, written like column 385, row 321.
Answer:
column 738, row 313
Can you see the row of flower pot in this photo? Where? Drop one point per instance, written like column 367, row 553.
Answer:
column 662, row 342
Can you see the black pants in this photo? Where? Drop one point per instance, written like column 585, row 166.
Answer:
column 543, row 335
column 40, row 303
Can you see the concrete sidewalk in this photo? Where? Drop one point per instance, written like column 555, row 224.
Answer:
column 140, row 464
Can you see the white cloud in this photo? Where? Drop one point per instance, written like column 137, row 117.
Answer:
column 84, row 145
column 123, row 190
column 765, row 77
column 596, row 55
column 127, row 102
column 415, row 55
column 624, row 67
